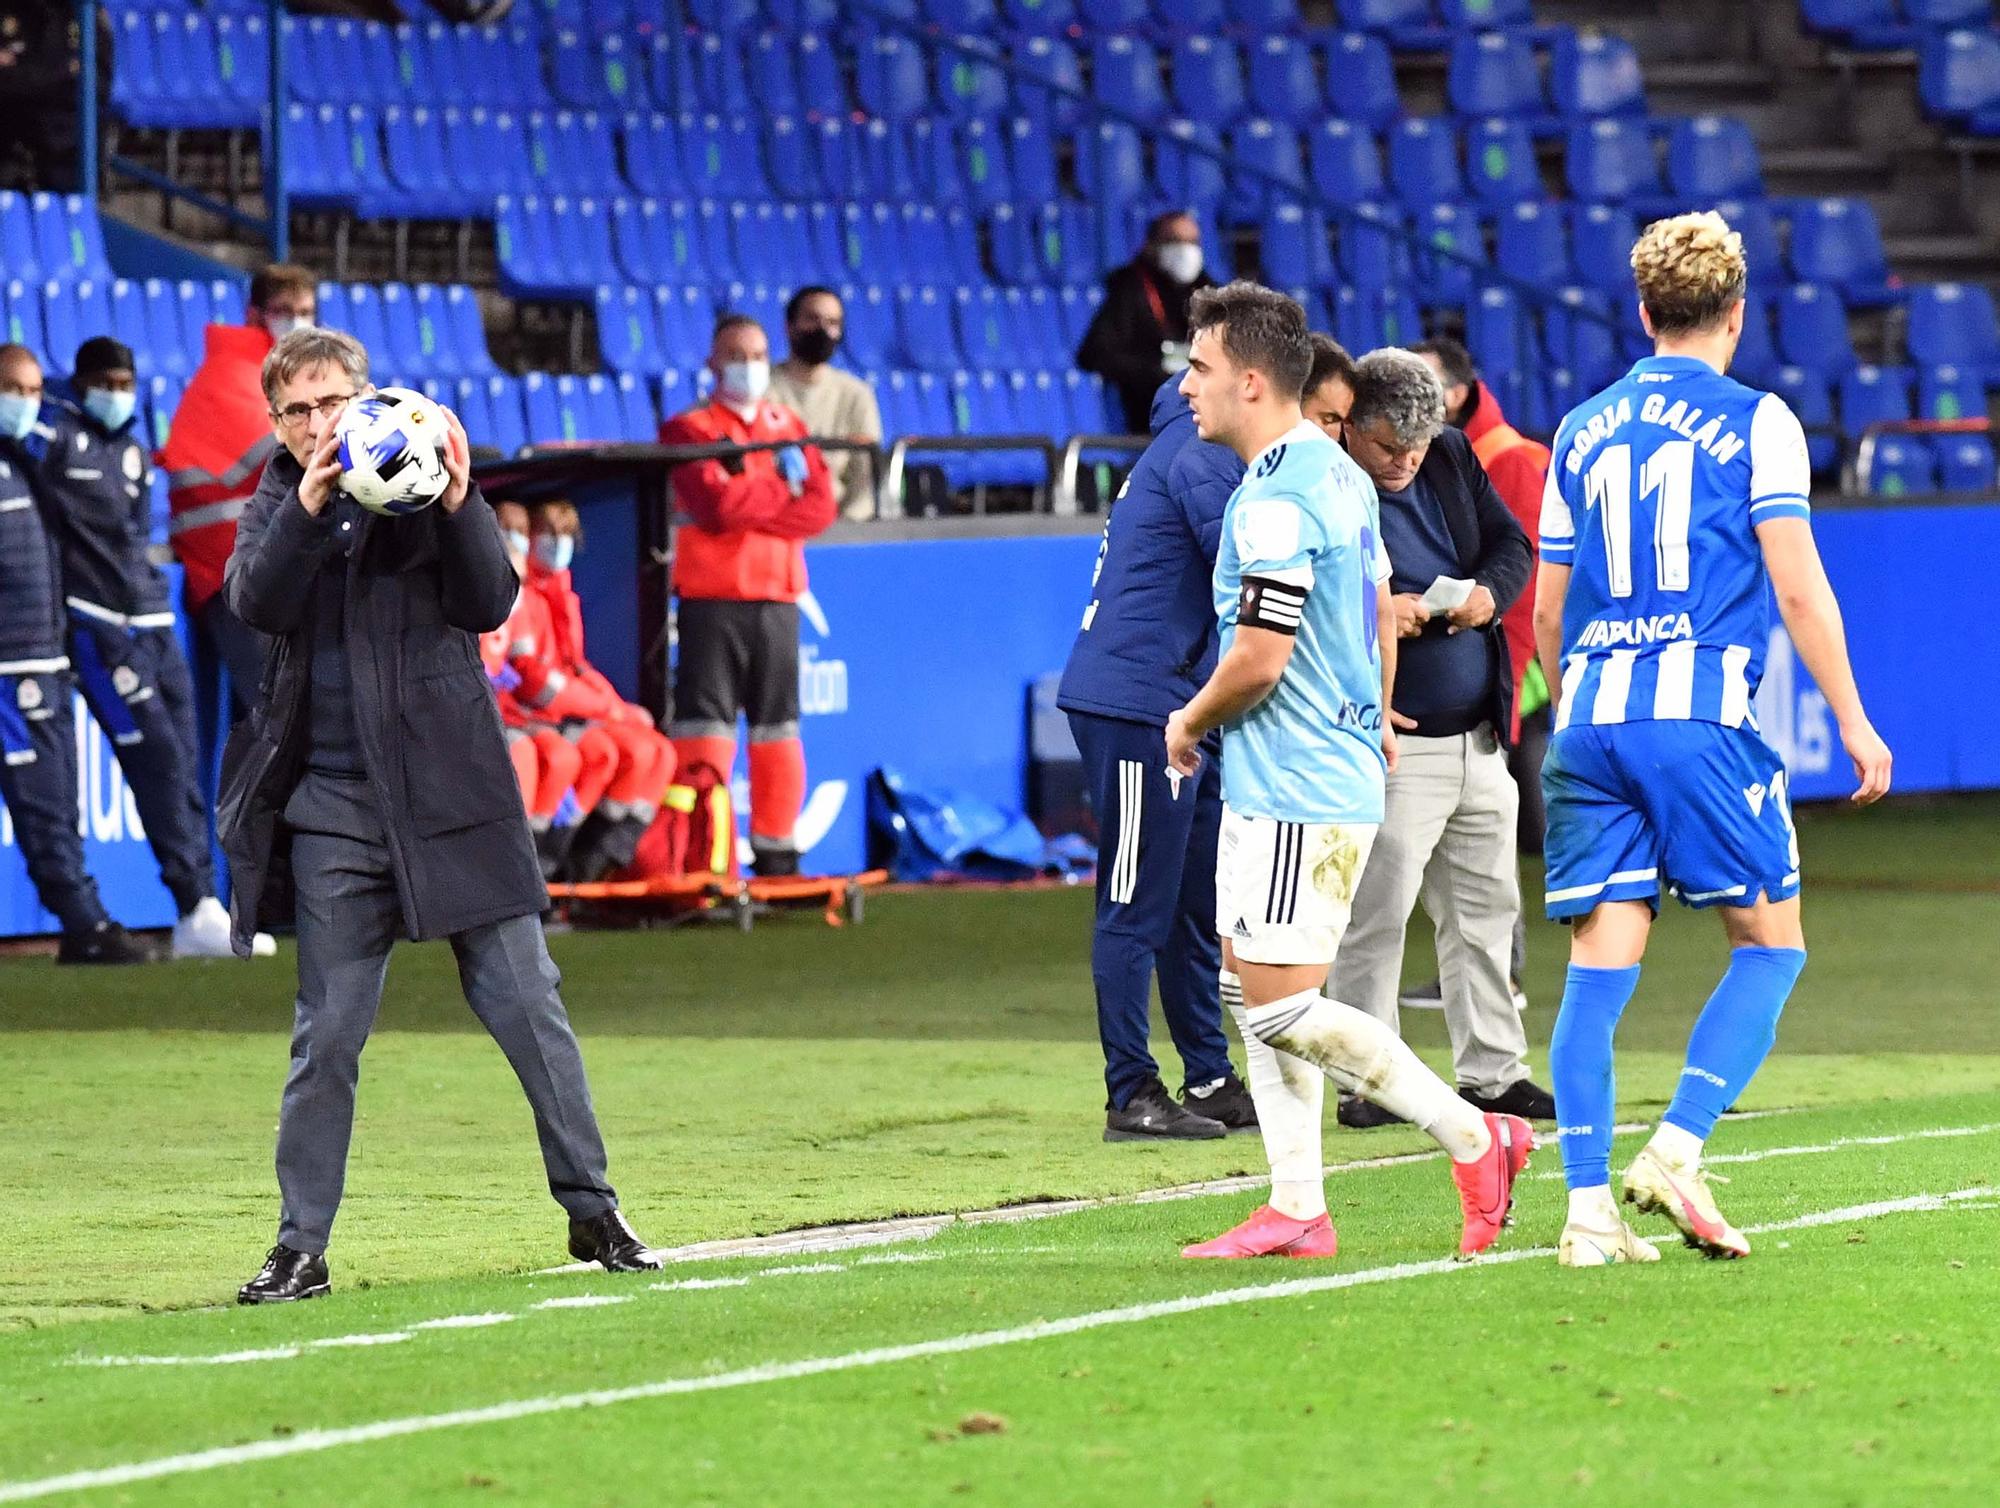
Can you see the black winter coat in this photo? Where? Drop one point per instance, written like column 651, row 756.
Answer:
column 419, row 591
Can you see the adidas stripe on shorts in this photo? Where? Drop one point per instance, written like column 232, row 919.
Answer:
column 1284, row 890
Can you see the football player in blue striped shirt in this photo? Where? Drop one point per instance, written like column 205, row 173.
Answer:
column 1676, row 507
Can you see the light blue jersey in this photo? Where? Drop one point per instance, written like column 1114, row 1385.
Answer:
column 1300, row 523
column 1655, row 490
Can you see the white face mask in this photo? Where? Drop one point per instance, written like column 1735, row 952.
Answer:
column 745, row 381
column 1181, row 260
column 281, row 325
column 517, row 542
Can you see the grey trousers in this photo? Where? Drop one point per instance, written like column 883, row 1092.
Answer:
column 1447, row 837
column 348, row 920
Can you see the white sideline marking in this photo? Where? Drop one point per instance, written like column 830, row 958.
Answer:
column 586, row 1301
column 1838, row 1144
column 881, row 1258
column 231, row 1358
column 682, row 1283
column 804, row 1267
column 462, row 1321
column 388, row 1339
column 312, row 1441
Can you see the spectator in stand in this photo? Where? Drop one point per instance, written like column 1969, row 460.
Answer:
column 214, row 458
column 836, row 405
column 38, row 771
column 739, row 570
column 93, row 483
column 1329, row 386
column 1458, row 560
column 1139, row 336
column 559, row 682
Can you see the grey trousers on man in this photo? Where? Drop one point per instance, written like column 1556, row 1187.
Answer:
column 348, row 920
column 1447, row 836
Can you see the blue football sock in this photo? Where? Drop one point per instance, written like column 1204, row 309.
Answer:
column 1733, row 1035
column 1580, row 1065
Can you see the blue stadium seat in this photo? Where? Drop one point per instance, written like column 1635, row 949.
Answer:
column 1115, row 15
column 1837, row 241
column 128, row 322
column 1423, row 161
column 770, row 244
column 631, row 397
column 21, row 319
column 961, row 15
column 1713, row 157
column 685, row 317
column 1184, row 17
column 1041, row 406
column 890, row 78
column 20, row 254
column 1531, row 242
column 408, row 352
column 1811, row 398
column 1284, row 84
column 1361, row 79
column 1054, row 61
column 1496, row 333
column 1950, row 392
column 167, row 337
column 868, row 343
column 1411, row 25
column 721, row 15
column 1949, row 12
column 1812, row 328
column 1494, row 73
column 1041, row 17
column 986, row 335
column 628, row 338
column 449, row 315
column 654, row 244
column 1870, row 25
column 1267, row 169
column 1125, row 74
column 1450, row 233
column 1958, row 79
column 1903, row 467
column 1873, row 395
column 1610, row 161
column 721, row 159
column 1952, row 324
column 1031, row 158
column 651, row 150
column 1486, row 14
column 1110, row 164
column 884, row 166
column 1591, row 75
column 1183, row 176
column 967, row 85
column 926, row 339
column 822, row 89
column 418, row 168
column 983, row 166
column 508, row 408
column 1756, row 353
column 1500, row 162
column 804, row 163
column 1208, row 80
column 1345, row 163
column 1037, row 314
column 1296, row 251
column 1580, row 337
column 1756, row 222
column 1965, row 463
column 1372, row 252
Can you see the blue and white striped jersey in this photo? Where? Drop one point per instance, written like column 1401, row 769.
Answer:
column 1311, row 751
column 1655, row 490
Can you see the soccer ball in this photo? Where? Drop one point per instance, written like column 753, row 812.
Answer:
column 392, row 452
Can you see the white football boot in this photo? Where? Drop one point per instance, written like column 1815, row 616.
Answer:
column 1584, row 1246
column 204, row 933
column 1680, row 1192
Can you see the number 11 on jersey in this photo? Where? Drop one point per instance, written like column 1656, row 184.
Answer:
column 1667, row 475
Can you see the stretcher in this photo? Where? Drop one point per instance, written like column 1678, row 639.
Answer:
column 726, row 898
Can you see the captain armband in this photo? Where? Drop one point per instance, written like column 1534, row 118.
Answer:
column 1268, row 604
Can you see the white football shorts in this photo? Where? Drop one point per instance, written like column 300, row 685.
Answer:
column 1284, row 890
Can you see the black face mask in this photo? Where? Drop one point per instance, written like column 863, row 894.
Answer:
column 815, row 347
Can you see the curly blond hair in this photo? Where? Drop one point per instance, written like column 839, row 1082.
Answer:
column 1690, row 269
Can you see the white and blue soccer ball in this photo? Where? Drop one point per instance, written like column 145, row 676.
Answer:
column 392, row 444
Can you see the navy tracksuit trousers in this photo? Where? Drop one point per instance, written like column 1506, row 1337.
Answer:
column 1155, row 901
column 38, row 785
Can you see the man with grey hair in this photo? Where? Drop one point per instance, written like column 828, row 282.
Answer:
column 369, row 795
column 1457, row 560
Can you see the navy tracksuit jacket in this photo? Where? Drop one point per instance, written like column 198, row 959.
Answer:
column 1147, row 644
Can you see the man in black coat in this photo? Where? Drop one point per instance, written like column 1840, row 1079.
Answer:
column 1139, row 335
column 1457, row 559
column 371, row 793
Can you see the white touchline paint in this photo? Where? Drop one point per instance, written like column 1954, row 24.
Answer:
column 682, row 1283
column 1838, row 1144
column 462, row 1321
column 309, row 1442
column 586, row 1301
column 880, row 1258
column 335, row 1341
column 803, row 1267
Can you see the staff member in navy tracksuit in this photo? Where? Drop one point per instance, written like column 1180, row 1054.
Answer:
column 94, row 483
column 37, row 726
column 1147, row 644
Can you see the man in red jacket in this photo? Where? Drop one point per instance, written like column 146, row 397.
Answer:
column 214, row 457
column 739, row 571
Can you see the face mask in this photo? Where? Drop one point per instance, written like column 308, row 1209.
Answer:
column 517, row 542
column 112, row 410
column 745, row 381
column 814, row 347
column 555, row 551
column 18, row 415
column 1181, row 260
column 281, row 325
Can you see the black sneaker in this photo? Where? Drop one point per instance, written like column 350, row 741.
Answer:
column 1152, row 1115
column 106, row 943
column 1227, row 1100
column 1358, row 1114
column 1523, row 1097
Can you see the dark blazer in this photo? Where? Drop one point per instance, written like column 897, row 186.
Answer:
column 1491, row 548
column 419, row 591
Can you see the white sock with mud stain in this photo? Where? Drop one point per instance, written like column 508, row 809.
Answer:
column 1290, row 1097
column 1364, row 1057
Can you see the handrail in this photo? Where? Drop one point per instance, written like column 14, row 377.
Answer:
column 889, row 497
column 1862, row 471
column 1064, row 501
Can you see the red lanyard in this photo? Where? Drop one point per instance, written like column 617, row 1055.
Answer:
column 1153, row 299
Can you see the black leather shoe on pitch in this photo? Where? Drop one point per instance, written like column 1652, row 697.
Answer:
column 1523, row 1097
column 1228, row 1102
column 609, row 1242
column 1153, row 1115
column 108, row 943
column 287, row 1277
column 1358, row 1114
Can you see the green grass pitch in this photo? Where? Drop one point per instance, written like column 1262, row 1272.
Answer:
column 942, row 1058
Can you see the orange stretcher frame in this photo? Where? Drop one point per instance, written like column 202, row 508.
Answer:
column 842, row 893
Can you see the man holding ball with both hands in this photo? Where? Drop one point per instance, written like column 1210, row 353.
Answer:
column 370, row 794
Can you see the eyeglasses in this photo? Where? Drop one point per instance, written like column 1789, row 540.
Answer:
column 292, row 415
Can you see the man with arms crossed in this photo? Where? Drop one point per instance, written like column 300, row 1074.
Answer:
column 1674, row 497
column 1299, row 692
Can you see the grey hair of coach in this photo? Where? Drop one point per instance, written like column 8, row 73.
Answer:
column 305, row 349
column 1400, row 389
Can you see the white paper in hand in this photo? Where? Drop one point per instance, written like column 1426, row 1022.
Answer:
column 1446, row 593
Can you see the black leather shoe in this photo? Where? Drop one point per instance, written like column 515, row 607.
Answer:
column 1153, row 1115
column 106, row 943
column 1523, row 1097
column 1362, row 1115
column 287, row 1277
column 612, row 1244
column 1228, row 1102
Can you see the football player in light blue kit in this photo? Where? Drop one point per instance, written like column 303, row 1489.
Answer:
column 1299, row 692
column 1676, row 502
